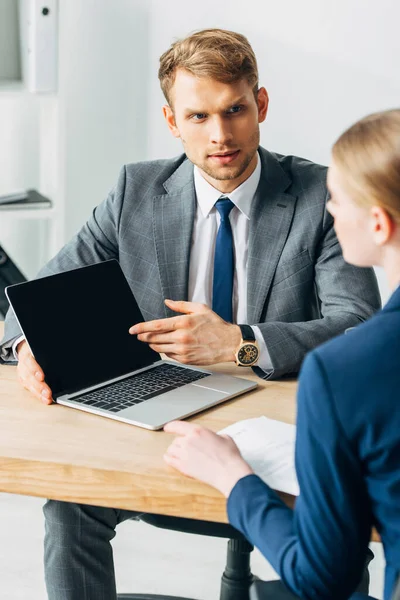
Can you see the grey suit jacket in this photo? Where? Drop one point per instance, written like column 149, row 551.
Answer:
column 300, row 291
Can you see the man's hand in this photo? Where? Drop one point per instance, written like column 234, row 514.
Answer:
column 31, row 375
column 204, row 455
column 197, row 337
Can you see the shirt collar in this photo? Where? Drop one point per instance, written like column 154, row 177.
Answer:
column 241, row 197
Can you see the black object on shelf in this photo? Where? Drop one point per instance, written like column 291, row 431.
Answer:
column 25, row 199
column 9, row 274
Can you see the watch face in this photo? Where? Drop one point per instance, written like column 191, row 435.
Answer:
column 247, row 354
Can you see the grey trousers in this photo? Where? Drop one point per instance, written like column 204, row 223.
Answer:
column 78, row 557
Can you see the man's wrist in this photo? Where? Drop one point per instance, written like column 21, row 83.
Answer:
column 232, row 346
column 19, row 346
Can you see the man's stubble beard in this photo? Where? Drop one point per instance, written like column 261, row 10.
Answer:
column 222, row 173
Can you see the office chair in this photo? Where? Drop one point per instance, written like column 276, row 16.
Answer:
column 276, row 590
column 237, row 576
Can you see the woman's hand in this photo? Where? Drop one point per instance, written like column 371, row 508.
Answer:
column 204, row 455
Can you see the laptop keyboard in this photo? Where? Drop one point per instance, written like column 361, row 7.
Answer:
column 138, row 388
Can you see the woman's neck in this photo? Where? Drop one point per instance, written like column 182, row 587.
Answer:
column 391, row 265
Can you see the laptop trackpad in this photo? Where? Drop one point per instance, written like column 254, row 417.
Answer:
column 175, row 404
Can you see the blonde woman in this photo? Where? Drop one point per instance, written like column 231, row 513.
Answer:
column 348, row 424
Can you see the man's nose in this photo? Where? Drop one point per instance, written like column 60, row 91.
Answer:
column 220, row 132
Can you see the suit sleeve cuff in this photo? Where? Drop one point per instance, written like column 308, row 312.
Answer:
column 15, row 344
column 264, row 361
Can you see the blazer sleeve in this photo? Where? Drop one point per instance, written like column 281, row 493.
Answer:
column 95, row 242
column 348, row 295
column 318, row 549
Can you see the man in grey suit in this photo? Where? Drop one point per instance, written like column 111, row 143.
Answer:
column 174, row 225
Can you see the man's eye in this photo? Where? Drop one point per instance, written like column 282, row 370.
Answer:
column 199, row 116
column 235, row 109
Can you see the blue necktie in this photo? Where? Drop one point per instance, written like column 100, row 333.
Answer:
column 223, row 263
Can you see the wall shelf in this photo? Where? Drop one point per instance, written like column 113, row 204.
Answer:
column 12, row 87
column 28, row 213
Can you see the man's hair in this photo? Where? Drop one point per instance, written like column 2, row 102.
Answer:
column 221, row 55
column 368, row 157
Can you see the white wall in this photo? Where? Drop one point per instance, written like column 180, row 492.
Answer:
column 324, row 64
column 103, row 98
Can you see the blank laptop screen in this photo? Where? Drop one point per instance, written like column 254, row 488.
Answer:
column 77, row 323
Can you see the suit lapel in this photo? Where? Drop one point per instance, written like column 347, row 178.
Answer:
column 173, row 217
column 270, row 220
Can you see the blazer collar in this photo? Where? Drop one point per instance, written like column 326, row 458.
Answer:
column 272, row 172
column 394, row 301
column 181, row 178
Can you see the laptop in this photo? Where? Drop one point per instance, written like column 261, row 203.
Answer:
column 76, row 324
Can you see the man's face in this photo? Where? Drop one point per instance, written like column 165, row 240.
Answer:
column 218, row 124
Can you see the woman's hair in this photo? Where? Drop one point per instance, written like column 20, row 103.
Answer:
column 221, row 55
column 368, row 157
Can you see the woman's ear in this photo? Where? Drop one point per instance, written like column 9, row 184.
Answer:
column 383, row 225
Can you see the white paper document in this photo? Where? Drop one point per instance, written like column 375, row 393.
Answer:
column 268, row 446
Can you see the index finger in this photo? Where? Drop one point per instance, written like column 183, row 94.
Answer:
column 161, row 325
column 181, row 427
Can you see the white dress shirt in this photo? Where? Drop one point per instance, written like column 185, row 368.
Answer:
column 201, row 267
column 205, row 228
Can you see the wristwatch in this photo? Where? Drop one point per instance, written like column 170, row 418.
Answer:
column 248, row 352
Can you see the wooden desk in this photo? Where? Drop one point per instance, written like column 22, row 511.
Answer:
column 65, row 454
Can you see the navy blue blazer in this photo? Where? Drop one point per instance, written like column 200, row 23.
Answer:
column 348, row 466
